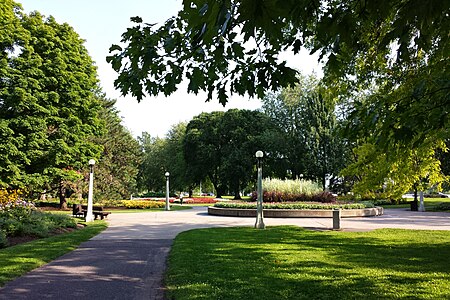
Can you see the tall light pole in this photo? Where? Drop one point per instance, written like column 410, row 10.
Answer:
column 259, row 205
column 167, row 174
column 89, row 215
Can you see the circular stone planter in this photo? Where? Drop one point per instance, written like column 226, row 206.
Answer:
column 295, row 213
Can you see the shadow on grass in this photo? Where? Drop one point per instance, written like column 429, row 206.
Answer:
column 291, row 263
column 19, row 259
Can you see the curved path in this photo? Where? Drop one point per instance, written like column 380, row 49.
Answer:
column 127, row 260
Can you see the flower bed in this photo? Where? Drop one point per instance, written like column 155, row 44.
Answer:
column 295, row 210
column 139, row 204
column 302, row 205
column 198, row 200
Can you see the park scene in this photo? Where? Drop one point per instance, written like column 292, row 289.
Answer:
column 225, row 149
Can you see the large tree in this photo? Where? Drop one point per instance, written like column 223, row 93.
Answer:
column 233, row 46
column 222, row 145
column 180, row 179
column 48, row 109
column 306, row 114
column 397, row 172
column 118, row 165
column 153, row 167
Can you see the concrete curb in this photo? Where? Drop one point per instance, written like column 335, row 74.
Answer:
column 295, row 213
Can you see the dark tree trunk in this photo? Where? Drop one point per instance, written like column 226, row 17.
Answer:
column 415, row 204
column 237, row 195
column 62, row 196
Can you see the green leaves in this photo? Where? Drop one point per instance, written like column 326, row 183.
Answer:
column 48, row 111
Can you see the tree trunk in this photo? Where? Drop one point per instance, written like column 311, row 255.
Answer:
column 415, row 205
column 62, row 196
column 237, row 195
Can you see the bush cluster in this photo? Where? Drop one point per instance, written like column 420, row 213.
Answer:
column 142, row 204
column 272, row 196
column 443, row 206
column 21, row 218
column 242, row 205
column 8, row 197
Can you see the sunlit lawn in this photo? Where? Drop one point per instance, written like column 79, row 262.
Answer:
column 430, row 203
column 18, row 260
column 293, row 263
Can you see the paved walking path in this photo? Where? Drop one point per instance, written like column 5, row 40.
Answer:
column 127, row 260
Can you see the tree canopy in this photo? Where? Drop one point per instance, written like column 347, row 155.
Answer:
column 48, row 109
column 311, row 144
column 231, row 46
column 222, row 146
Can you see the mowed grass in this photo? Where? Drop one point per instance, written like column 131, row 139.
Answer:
column 18, row 260
column 294, row 263
column 429, row 203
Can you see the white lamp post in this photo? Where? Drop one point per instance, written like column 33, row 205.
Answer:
column 89, row 215
column 167, row 174
column 259, row 206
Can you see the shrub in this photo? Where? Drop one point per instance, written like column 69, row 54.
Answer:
column 324, row 197
column 23, row 219
column 3, row 240
column 443, row 206
column 7, row 197
column 242, row 205
column 142, row 204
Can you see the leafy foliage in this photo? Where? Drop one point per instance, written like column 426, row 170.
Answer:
column 227, row 47
column 23, row 219
column 118, row 165
column 396, row 172
column 222, row 145
column 48, row 110
column 294, row 205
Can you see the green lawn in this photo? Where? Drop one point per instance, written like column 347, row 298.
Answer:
column 18, row 260
column 429, row 203
column 294, row 263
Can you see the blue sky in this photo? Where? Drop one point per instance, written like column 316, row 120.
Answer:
column 101, row 22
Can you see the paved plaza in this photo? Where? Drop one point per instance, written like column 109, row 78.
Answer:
column 127, row 260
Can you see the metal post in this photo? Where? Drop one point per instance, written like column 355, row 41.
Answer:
column 421, row 203
column 336, row 219
column 89, row 215
column 167, row 190
column 259, row 206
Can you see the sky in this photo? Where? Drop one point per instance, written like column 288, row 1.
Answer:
column 101, row 22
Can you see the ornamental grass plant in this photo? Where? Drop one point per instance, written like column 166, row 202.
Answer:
column 277, row 190
column 289, row 186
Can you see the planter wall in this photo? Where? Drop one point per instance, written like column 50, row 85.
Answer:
column 295, row 213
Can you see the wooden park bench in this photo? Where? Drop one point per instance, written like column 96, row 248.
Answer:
column 79, row 210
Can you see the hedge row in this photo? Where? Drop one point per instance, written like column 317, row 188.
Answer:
column 273, row 196
column 142, row 204
column 293, row 205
